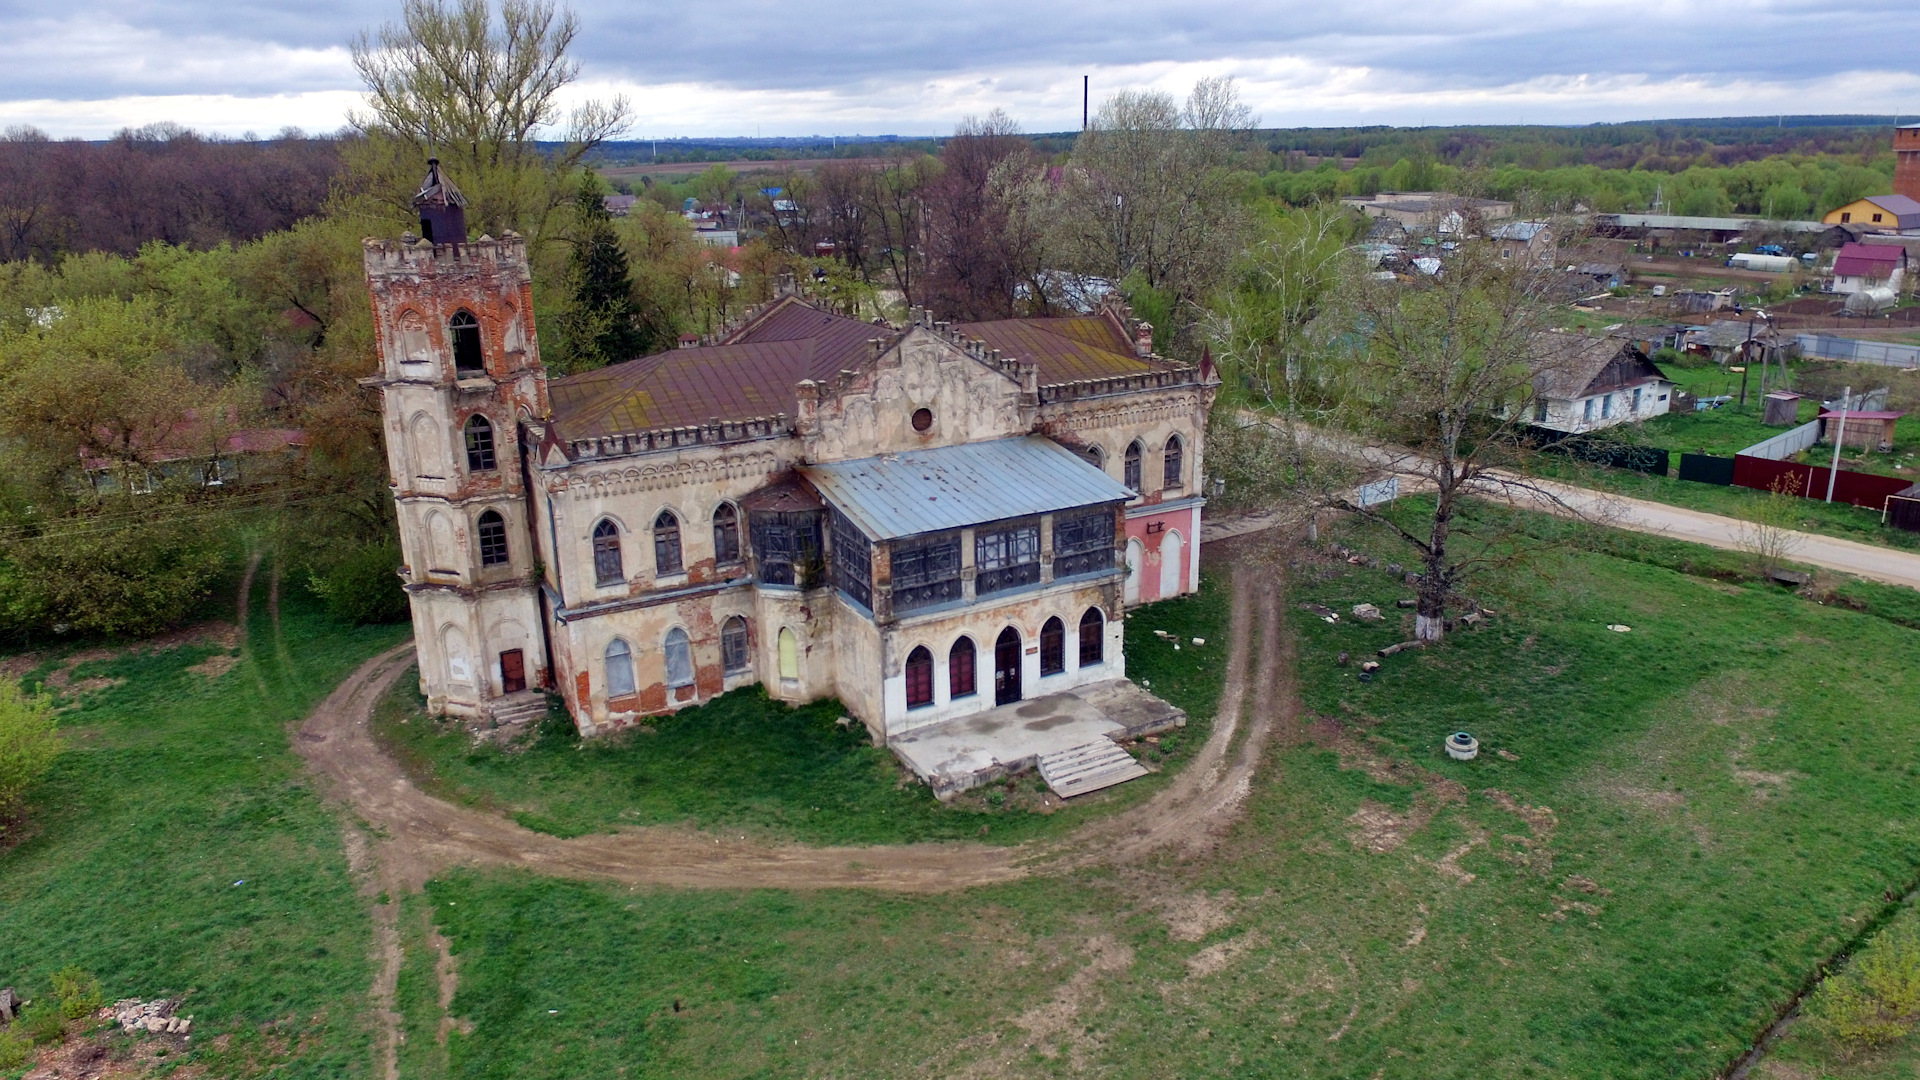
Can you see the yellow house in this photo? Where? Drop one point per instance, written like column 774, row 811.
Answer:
column 1887, row 213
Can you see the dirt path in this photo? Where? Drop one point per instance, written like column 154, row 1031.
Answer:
column 421, row 835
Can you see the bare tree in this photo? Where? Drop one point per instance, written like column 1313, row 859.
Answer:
column 1768, row 536
column 1435, row 378
column 452, row 80
column 975, row 260
column 1149, row 197
column 895, row 201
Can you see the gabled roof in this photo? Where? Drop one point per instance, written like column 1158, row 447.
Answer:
column 1066, row 349
column 1904, row 208
column 1576, row 366
column 1868, row 260
column 923, row 491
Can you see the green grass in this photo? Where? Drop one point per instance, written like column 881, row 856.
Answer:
column 1736, row 776
column 179, row 849
column 746, row 763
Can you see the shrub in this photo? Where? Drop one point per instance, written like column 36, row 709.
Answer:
column 78, row 991
column 42, row 1023
column 15, row 1049
column 132, row 581
column 1874, row 1000
column 28, row 744
column 362, row 587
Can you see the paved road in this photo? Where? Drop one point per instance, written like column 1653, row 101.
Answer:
column 1864, row 560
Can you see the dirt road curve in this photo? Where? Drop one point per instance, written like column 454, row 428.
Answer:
column 422, row 835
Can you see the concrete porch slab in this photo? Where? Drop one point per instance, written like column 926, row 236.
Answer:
column 967, row 752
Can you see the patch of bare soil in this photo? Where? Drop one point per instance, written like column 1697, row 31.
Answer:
column 107, row 1054
column 215, row 666
column 1377, row 827
column 1192, row 916
column 1217, row 958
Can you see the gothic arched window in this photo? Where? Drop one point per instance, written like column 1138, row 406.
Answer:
column 606, row 554
column 726, row 534
column 1132, row 478
column 1053, row 647
column 1093, row 627
column 493, row 538
column 464, row 329
column 1170, row 463
column 480, row 445
column 734, row 657
column 919, row 678
column 666, row 544
column 619, row 669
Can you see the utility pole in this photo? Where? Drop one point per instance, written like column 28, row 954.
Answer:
column 1840, row 436
column 1086, row 89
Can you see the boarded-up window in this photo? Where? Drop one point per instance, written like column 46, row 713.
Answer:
column 786, row 546
column 926, row 571
column 679, row 656
column 919, row 678
column 962, row 681
column 1006, row 558
column 606, row 554
column 1082, row 543
column 619, row 669
column 733, row 646
column 1093, row 628
column 789, row 655
column 1053, row 647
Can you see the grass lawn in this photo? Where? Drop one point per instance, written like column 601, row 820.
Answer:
column 1805, row 1052
column 754, row 765
column 1686, row 820
column 179, row 849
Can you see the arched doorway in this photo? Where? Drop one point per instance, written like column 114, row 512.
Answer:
column 1006, row 667
column 1136, row 561
column 1170, row 565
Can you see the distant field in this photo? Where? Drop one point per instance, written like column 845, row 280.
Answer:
column 689, row 168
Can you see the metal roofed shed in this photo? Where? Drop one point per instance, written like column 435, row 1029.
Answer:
column 923, row 491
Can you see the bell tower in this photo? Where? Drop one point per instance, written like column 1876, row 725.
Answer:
column 460, row 377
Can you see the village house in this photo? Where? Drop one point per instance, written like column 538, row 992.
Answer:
column 1589, row 383
column 1859, row 267
column 1529, row 241
column 925, row 521
column 1878, row 213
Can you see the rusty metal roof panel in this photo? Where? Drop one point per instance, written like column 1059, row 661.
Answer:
column 923, row 491
column 753, row 375
column 1066, row 349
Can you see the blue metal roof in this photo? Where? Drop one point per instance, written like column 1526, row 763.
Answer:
column 923, row 491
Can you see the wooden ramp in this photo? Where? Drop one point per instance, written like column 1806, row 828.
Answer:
column 1088, row 767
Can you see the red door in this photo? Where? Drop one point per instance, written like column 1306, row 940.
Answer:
column 513, row 671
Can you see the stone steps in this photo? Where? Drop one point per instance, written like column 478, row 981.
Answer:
column 517, row 708
column 1088, row 767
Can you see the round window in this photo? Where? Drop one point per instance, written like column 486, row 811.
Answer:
column 922, row 419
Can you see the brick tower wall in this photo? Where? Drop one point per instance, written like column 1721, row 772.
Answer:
column 1906, row 171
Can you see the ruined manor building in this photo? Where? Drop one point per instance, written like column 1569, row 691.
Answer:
column 923, row 521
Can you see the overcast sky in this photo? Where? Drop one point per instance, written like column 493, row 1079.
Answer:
column 743, row 67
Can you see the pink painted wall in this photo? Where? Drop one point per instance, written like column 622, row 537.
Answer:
column 1152, row 529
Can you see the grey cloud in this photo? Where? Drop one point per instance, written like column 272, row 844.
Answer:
column 92, row 49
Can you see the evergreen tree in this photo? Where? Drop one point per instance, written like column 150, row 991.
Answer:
column 600, row 322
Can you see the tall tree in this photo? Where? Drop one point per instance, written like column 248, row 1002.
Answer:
column 976, row 259
column 1149, row 199
column 599, row 320
column 451, row 79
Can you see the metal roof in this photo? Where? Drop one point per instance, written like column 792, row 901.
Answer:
column 1720, row 224
column 923, row 491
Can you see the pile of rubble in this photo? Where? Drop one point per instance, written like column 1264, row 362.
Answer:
column 132, row 1014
